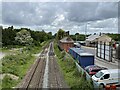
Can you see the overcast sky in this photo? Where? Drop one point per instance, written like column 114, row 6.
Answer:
column 76, row 17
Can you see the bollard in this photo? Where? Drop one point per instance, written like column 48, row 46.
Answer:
column 107, row 87
column 113, row 87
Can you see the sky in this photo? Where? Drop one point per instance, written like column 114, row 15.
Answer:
column 76, row 17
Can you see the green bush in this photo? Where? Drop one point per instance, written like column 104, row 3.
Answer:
column 8, row 82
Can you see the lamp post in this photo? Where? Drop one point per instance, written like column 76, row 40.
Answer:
column 85, row 30
column 76, row 38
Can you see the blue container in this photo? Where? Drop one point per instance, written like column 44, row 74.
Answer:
column 85, row 59
column 71, row 52
column 75, row 51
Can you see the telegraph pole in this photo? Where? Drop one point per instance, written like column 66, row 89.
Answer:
column 76, row 38
column 85, row 31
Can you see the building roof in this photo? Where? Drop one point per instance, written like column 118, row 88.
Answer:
column 105, row 38
column 92, row 37
column 67, row 39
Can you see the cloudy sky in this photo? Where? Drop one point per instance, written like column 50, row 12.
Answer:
column 76, row 17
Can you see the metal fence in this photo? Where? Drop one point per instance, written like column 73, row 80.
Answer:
column 106, row 51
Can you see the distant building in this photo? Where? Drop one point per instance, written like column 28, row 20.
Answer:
column 66, row 43
column 92, row 40
column 105, row 38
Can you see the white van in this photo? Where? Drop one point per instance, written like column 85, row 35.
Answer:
column 105, row 77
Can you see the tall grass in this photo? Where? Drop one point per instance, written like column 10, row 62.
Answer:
column 73, row 78
column 18, row 63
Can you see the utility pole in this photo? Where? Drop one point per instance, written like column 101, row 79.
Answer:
column 76, row 38
column 85, row 30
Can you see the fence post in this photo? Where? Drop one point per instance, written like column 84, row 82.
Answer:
column 110, row 52
column 104, row 50
column 97, row 49
column 118, row 52
column 100, row 48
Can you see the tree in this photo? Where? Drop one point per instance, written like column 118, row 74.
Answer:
column 24, row 37
column 49, row 34
column 60, row 34
column 80, row 37
column 77, row 34
column 8, row 36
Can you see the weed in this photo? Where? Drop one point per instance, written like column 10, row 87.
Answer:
column 73, row 78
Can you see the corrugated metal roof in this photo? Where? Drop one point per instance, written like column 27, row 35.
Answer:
column 86, row 54
column 92, row 37
column 81, row 52
column 77, row 50
column 66, row 39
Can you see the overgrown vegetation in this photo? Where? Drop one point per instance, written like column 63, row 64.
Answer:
column 36, row 37
column 18, row 63
column 73, row 78
column 8, row 82
column 21, row 45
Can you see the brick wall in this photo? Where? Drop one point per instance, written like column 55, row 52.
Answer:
column 66, row 46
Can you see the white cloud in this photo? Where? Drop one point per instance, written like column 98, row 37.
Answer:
column 68, row 16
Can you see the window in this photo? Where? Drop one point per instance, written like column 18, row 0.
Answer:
column 99, row 74
column 106, row 76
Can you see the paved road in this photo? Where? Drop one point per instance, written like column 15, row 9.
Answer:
column 100, row 62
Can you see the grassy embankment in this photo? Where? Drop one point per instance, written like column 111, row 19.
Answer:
column 72, row 77
column 17, row 63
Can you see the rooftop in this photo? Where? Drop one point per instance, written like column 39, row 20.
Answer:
column 66, row 39
column 92, row 37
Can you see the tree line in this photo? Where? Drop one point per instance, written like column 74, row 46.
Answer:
column 61, row 33
column 23, row 36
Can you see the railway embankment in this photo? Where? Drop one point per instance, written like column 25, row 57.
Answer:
column 17, row 63
column 73, row 77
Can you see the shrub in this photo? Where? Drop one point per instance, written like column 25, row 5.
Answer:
column 8, row 82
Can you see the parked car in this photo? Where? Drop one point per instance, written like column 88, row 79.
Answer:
column 93, row 69
column 105, row 77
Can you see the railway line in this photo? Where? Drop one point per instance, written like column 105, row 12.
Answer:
column 55, row 77
column 44, row 73
column 34, row 77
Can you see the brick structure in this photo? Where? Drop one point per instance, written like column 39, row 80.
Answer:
column 66, row 43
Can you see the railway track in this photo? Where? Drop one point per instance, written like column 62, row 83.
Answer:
column 44, row 73
column 34, row 78
column 55, row 77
